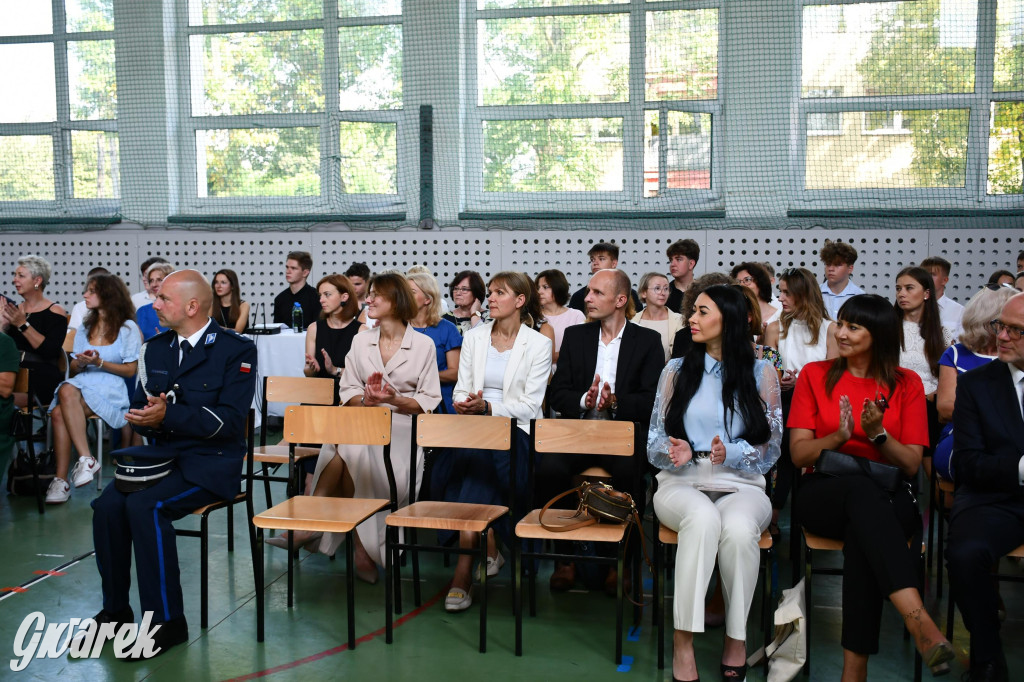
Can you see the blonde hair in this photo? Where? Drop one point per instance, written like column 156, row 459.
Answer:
column 983, row 307
column 427, row 283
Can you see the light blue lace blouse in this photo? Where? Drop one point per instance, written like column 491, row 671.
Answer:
column 705, row 418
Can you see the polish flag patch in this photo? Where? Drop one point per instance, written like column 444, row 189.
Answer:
column 245, row 368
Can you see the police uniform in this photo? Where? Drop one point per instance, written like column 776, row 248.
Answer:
column 204, row 428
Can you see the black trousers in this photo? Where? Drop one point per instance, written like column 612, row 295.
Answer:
column 142, row 520
column 874, row 527
column 978, row 537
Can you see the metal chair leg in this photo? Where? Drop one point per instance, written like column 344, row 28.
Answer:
column 258, row 567
column 483, row 591
column 350, row 589
column 517, row 594
column 204, row 571
column 388, row 584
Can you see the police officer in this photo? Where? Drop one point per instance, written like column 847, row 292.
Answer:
column 198, row 384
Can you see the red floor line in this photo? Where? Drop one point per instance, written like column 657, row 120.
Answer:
column 343, row 647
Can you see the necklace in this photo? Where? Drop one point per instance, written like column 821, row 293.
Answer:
column 390, row 343
column 502, row 344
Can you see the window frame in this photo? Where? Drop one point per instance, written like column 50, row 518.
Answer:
column 64, row 203
column 632, row 112
column 972, row 196
column 331, row 201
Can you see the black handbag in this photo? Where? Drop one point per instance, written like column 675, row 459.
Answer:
column 19, row 473
column 835, row 463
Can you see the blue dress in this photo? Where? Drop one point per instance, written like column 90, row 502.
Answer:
column 964, row 360
column 106, row 393
column 446, row 337
column 149, row 324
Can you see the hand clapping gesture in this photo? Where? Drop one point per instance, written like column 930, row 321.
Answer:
column 377, row 391
column 679, row 451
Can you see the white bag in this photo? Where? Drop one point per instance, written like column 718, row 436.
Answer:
column 788, row 651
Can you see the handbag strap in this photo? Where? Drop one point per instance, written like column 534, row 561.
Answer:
column 587, row 520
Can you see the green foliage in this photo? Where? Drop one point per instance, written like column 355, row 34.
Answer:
column 262, row 162
column 369, row 158
column 1006, row 149
column 370, row 67
column 92, row 80
column 26, row 173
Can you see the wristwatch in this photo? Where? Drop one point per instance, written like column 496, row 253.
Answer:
column 24, row 327
column 880, row 439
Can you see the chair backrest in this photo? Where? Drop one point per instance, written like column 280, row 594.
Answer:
column 21, row 381
column 469, row 431
column 584, row 436
column 475, row 432
column 305, row 390
column 298, row 390
column 343, row 426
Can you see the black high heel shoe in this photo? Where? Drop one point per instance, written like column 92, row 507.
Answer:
column 734, row 673
column 937, row 658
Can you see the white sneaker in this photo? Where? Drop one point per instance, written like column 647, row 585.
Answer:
column 84, row 471
column 59, row 491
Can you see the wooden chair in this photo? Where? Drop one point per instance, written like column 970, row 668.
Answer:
column 326, row 424
column 297, row 390
column 245, row 496
column 448, row 431
column 1017, row 553
column 27, row 414
column 666, row 537
column 817, row 543
column 574, row 436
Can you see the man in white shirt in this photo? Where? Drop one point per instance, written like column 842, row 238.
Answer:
column 950, row 311
column 147, row 295
column 839, row 259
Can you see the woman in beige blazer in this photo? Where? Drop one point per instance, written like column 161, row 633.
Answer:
column 654, row 291
column 394, row 366
column 503, row 370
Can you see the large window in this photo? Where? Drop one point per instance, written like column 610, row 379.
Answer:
column 294, row 106
column 592, row 105
column 923, row 98
column 58, row 109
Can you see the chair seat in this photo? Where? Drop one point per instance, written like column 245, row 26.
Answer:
column 240, row 497
column 458, row 516
column 278, row 454
column 1018, row 553
column 667, row 536
column 819, row 542
column 325, row 514
column 530, row 527
column 945, row 486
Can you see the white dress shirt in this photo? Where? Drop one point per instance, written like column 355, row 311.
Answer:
column 951, row 313
column 607, row 362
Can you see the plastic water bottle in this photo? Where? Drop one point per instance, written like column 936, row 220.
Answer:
column 297, row 317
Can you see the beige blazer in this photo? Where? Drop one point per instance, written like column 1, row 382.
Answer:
column 526, row 376
column 675, row 323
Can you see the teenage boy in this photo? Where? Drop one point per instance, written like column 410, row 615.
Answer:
column 682, row 259
column 147, row 295
column 603, row 256
column 296, row 271
column 839, row 258
column 949, row 310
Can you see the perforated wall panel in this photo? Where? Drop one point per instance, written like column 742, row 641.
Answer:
column 258, row 257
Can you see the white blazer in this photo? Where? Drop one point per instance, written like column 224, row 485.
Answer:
column 526, row 376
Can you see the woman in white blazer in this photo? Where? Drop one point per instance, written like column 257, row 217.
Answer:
column 503, row 370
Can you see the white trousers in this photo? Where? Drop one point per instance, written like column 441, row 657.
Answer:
column 728, row 525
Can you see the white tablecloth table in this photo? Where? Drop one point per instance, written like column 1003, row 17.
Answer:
column 278, row 355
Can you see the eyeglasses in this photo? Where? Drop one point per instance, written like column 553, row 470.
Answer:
column 997, row 328
column 659, row 290
column 461, row 290
column 745, row 280
column 992, row 286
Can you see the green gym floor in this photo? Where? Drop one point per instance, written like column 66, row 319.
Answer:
column 572, row 637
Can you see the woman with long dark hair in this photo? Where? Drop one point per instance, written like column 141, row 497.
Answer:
column 228, row 308
column 715, row 430
column 106, row 352
column 865, row 405
column 923, row 339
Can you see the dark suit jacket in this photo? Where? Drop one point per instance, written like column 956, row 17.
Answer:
column 641, row 359
column 213, row 389
column 988, row 438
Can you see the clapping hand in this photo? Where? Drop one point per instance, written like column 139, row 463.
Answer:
column 377, row 391
column 312, row 364
column 871, row 418
column 717, row 450
column 328, row 365
column 473, row 404
column 679, row 451
column 845, row 430
column 593, row 393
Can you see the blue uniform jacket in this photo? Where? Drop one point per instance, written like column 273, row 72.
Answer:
column 213, row 390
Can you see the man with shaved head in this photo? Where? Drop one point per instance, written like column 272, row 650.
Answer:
column 196, row 383
column 608, row 368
